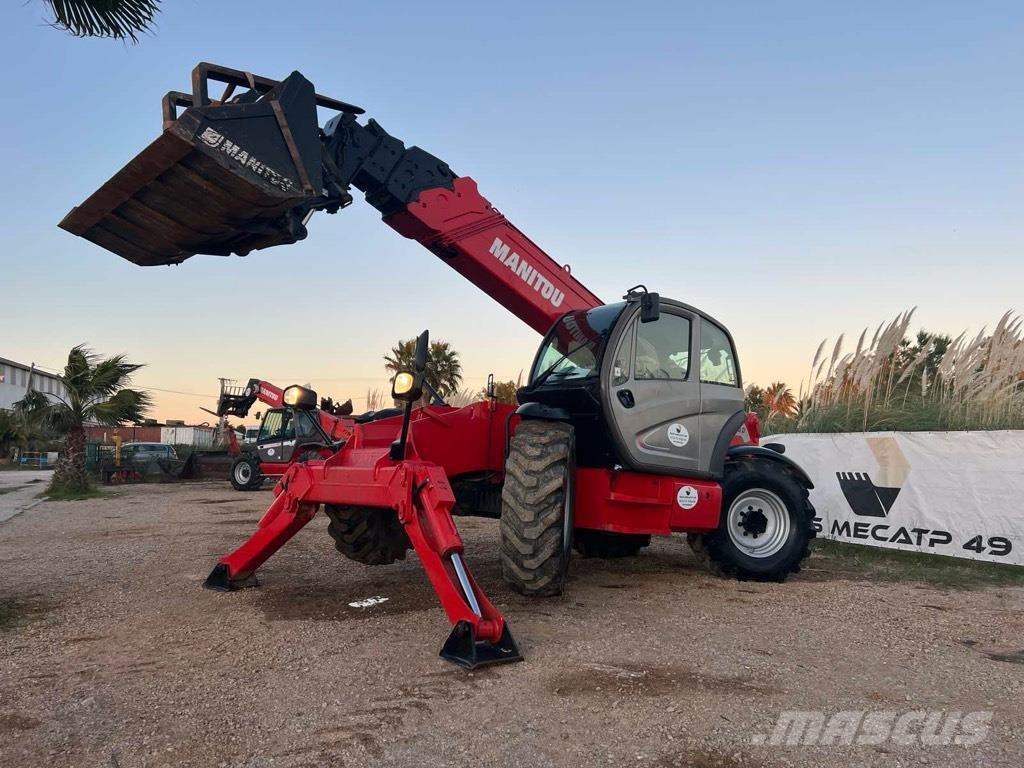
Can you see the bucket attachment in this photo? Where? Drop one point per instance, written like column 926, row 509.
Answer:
column 227, row 176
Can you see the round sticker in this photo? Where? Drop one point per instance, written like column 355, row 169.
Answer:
column 270, row 451
column 686, row 497
column 678, row 435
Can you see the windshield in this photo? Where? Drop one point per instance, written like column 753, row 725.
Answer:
column 573, row 347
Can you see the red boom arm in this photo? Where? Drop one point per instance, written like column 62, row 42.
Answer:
column 479, row 243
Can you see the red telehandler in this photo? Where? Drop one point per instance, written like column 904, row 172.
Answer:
column 631, row 424
column 287, row 434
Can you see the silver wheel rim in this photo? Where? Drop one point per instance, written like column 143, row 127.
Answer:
column 243, row 473
column 758, row 523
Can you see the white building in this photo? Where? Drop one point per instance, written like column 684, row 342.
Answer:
column 16, row 379
column 180, row 433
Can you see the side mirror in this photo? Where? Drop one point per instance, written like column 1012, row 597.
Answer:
column 490, row 386
column 422, row 347
column 650, row 307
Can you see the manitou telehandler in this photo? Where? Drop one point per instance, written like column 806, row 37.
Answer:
column 287, row 434
column 631, row 424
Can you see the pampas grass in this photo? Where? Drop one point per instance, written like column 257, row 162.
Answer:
column 926, row 383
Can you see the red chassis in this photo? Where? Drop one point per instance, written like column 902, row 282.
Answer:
column 445, row 443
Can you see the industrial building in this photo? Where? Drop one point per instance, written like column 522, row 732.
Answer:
column 16, row 379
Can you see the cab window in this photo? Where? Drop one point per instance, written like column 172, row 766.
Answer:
column 271, row 426
column 663, row 348
column 717, row 357
column 287, row 426
column 574, row 345
column 623, row 357
column 305, row 425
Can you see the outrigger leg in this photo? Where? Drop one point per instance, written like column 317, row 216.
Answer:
column 421, row 495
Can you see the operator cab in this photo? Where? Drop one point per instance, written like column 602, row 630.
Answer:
column 655, row 389
column 284, row 431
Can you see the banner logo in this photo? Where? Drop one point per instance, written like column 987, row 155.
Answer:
column 865, row 497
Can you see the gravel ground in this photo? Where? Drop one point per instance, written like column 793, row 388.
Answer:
column 113, row 655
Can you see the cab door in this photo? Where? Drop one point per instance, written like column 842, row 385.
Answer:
column 288, row 434
column 268, row 443
column 653, row 400
column 721, row 390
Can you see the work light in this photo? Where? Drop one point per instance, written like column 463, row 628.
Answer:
column 299, row 397
column 403, row 385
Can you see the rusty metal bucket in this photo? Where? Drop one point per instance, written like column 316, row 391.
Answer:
column 227, row 176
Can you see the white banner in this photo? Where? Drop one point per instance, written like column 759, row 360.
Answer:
column 951, row 493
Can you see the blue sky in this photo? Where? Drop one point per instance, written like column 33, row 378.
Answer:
column 797, row 169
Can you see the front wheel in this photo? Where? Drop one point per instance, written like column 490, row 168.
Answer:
column 765, row 528
column 245, row 473
column 536, row 508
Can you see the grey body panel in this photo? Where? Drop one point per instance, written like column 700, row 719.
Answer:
column 663, row 418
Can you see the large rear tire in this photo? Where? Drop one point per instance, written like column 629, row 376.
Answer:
column 368, row 535
column 536, row 510
column 766, row 526
column 245, row 473
column 608, row 545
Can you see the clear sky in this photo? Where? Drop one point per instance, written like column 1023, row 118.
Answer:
column 797, row 169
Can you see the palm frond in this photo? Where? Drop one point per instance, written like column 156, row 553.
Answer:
column 125, row 405
column 119, row 19
column 110, row 375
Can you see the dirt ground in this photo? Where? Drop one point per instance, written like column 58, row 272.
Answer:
column 112, row 655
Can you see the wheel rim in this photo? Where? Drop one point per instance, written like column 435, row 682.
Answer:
column 758, row 523
column 243, row 473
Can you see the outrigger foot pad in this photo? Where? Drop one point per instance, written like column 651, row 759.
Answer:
column 464, row 649
column 220, row 580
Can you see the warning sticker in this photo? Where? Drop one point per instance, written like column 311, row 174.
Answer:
column 678, row 435
column 686, row 497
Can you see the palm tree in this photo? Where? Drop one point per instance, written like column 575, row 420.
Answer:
column 120, row 19
column 10, row 434
column 444, row 371
column 779, row 401
column 753, row 400
column 21, row 430
column 97, row 393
